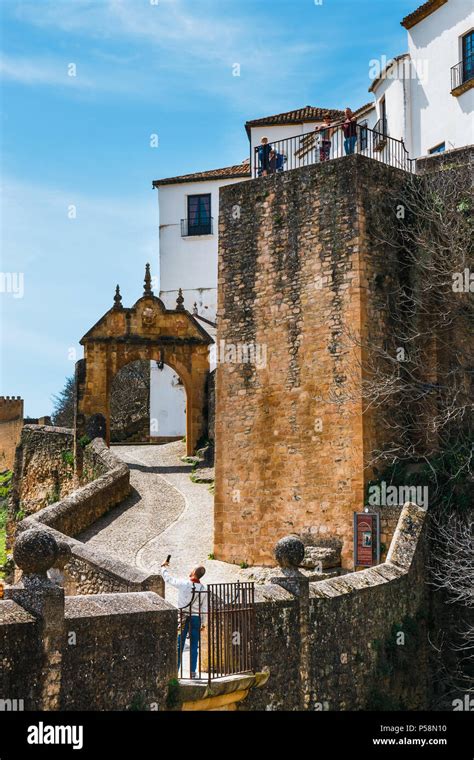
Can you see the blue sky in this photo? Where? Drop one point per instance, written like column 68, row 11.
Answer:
column 142, row 67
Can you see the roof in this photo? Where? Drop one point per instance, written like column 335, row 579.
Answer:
column 297, row 116
column 384, row 71
column 422, row 12
column 228, row 172
column 364, row 108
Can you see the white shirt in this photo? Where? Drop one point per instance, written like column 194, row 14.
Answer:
column 185, row 588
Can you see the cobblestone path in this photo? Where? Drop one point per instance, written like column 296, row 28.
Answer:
column 165, row 514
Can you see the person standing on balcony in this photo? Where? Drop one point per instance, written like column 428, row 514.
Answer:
column 325, row 133
column 349, row 127
column 192, row 603
column 264, row 150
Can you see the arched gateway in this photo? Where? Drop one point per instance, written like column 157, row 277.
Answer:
column 149, row 331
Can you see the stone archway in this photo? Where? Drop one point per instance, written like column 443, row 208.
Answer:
column 146, row 331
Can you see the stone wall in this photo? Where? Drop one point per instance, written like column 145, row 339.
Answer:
column 89, row 571
column 125, row 652
column 78, row 510
column 44, row 468
column 116, row 652
column 211, row 407
column 304, row 279
column 20, row 655
column 327, row 645
column 11, row 423
column 450, row 159
column 351, row 656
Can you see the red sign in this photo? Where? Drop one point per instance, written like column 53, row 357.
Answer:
column 366, row 539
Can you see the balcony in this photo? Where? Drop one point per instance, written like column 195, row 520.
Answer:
column 462, row 75
column 195, row 228
column 310, row 148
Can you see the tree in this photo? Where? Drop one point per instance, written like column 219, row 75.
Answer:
column 419, row 383
column 129, row 400
column 63, row 411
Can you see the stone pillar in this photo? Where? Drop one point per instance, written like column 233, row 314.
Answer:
column 35, row 552
column 406, row 536
column 289, row 553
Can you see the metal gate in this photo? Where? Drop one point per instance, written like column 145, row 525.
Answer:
column 222, row 625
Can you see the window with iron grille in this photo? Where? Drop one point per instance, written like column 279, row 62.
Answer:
column 199, row 214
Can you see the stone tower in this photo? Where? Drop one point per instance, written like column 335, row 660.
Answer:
column 304, row 284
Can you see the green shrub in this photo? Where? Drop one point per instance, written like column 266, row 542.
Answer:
column 68, row 458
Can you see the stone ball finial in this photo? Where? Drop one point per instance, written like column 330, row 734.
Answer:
column 35, row 551
column 289, row 551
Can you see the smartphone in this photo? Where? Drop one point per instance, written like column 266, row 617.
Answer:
column 168, row 557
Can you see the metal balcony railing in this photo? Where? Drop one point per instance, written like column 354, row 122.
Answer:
column 216, row 636
column 380, row 134
column 462, row 72
column 319, row 146
column 190, row 227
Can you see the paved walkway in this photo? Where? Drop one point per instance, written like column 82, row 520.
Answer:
column 166, row 514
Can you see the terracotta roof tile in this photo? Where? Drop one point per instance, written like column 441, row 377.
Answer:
column 228, row 172
column 297, row 116
column 420, row 13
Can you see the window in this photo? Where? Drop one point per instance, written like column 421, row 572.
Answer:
column 383, row 115
column 468, row 56
column 199, row 215
column 437, row 149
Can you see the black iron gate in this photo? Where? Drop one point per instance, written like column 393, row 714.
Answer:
column 220, row 624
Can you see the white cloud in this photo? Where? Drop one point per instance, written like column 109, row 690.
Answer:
column 161, row 50
column 37, row 71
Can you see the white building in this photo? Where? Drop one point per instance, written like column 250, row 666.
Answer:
column 441, row 33
column 425, row 96
column 422, row 98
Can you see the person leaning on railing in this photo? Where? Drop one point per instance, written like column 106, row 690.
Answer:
column 193, row 605
column 349, row 127
column 325, row 131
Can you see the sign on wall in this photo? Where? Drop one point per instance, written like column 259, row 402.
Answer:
column 366, row 539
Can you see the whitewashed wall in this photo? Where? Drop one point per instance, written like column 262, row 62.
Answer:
column 189, row 262
column 167, row 402
column 395, row 88
column 438, row 116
